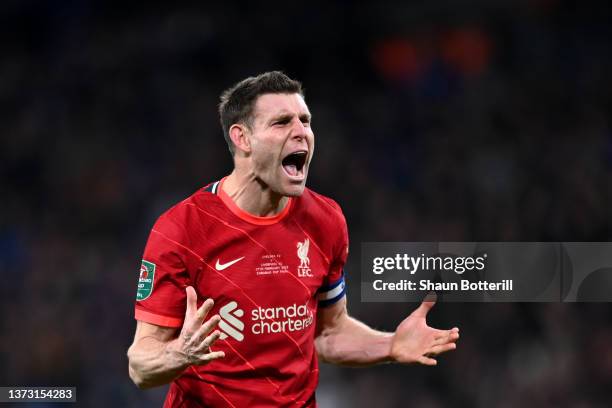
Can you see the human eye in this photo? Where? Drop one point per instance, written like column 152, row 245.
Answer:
column 281, row 122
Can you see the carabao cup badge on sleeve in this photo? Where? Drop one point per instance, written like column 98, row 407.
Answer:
column 145, row 280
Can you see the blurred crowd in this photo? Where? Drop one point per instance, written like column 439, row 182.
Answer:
column 434, row 121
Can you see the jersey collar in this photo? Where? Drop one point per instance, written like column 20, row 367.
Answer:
column 248, row 217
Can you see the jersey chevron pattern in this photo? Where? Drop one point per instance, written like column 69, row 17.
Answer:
column 267, row 276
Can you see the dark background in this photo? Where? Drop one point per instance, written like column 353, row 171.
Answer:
column 434, row 121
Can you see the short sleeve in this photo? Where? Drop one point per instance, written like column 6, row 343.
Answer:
column 161, row 298
column 334, row 286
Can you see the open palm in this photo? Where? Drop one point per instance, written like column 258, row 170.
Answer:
column 415, row 342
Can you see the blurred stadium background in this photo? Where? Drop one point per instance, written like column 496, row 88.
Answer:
column 435, row 120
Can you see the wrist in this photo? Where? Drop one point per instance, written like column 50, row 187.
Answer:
column 390, row 356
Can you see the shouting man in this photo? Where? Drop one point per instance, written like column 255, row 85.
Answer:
column 241, row 286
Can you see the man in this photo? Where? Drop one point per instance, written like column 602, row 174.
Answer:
column 264, row 256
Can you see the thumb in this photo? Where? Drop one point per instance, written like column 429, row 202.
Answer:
column 192, row 299
column 426, row 305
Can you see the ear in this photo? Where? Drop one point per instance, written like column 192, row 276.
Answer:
column 238, row 133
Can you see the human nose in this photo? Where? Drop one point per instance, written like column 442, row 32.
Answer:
column 299, row 130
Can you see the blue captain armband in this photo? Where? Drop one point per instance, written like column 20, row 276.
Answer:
column 328, row 295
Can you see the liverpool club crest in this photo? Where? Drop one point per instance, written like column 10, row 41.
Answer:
column 302, row 253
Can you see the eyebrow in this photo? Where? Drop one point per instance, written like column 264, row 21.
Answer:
column 283, row 115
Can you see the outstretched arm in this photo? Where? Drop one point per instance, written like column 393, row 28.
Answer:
column 341, row 339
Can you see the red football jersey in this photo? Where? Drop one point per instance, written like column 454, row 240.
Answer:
column 267, row 276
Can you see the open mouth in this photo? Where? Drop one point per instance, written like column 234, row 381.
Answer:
column 294, row 163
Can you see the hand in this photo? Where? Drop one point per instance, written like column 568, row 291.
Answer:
column 192, row 345
column 415, row 342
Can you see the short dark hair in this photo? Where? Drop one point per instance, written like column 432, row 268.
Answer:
column 237, row 102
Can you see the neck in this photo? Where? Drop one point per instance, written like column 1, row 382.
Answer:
column 250, row 195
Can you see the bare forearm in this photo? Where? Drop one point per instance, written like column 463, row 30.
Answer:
column 153, row 363
column 340, row 339
column 354, row 344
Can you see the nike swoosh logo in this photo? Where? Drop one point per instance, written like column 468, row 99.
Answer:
column 220, row 266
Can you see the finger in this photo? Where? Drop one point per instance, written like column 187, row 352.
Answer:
column 440, row 342
column 441, row 333
column 427, row 361
column 204, row 347
column 454, row 332
column 206, row 328
column 442, row 348
column 191, row 302
column 445, row 336
column 208, row 357
column 201, row 314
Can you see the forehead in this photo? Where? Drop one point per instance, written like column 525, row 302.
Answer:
column 269, row 105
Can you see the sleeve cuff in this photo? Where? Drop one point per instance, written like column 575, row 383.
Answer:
column 157, row 319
